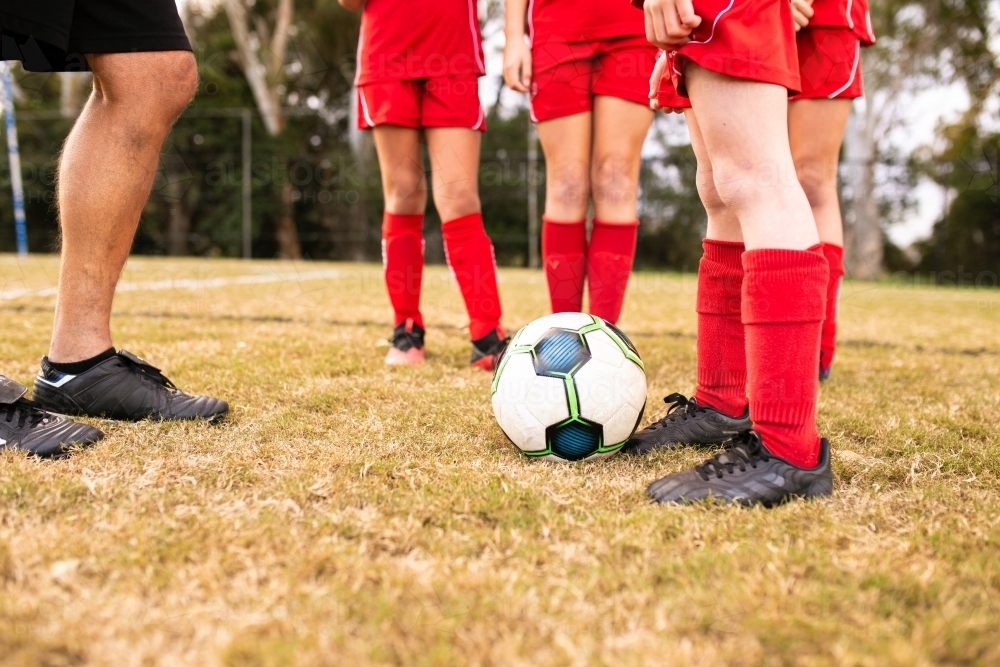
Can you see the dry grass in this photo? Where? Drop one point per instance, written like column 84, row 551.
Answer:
column 351, row 514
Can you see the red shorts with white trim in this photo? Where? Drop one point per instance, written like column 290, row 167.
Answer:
column 744, row 39
column 419, row 103
column 568, row 75
column 829, row 64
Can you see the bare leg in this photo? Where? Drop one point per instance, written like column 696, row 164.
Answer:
column 105, row 176
column 785, row 273
column 816, row 130
column 620, row 129
column 723, row 225
column 400, row 158
column 751, row 159
column 566, row 143
column 454, row 155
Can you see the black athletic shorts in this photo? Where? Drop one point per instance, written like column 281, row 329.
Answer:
column 53, row 35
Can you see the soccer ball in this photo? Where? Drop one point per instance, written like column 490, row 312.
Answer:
column 569, row 387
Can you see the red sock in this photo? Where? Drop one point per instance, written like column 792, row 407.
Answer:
column 828, row 343
column 784, row 301
column 403, row 259
column 564, row 252
column 722, row 354
column 609, row 265
column 470, row 255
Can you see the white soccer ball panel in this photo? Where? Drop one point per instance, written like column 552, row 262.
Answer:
column 604, row 349
column 603, row 389
column 525, row 404
column 547, row 400
column 531, row 333
column 621, row 425
column 602, row 455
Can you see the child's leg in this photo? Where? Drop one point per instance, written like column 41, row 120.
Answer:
column 784, row 287
column 566, row 143
column 720, row 408
column 816, row 131
column 454, row 155
column 722, row 362
column 405, row 189
column 620, row 128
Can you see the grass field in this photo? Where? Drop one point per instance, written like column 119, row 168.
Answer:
column 352, row 514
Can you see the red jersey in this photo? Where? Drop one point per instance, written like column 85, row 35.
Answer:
column 850, row 14
column 419, row 39
column 583, row 20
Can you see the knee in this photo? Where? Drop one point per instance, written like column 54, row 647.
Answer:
column 453, row 200
column 612, row 179
column 569, row 186
column 404, row 192
column 737, row 185
column 159, row 85
column 708, row 193
column 818, row 181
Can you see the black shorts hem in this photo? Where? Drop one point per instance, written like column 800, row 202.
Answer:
column 38, row 56
column 138, row 43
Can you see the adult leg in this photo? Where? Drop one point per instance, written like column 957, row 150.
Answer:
column 105, row 176
column 816, row 131
column 454, row 155
column 784, row 287
column 620, row 129
column 566, row 143
column 404, row 188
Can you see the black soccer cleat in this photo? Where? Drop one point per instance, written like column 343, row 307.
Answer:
column 123, row 387
column 406, row 347
column 25, row 426
column 824, row 373
column 687, row 423
column 486, row 351
column 746, row 473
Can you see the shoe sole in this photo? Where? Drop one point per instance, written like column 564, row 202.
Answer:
column 412, row 357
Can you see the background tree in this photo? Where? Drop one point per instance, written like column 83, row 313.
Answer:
column 921, row 44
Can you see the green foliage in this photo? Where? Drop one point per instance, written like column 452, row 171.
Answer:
column 965, row 246
column 673, row 218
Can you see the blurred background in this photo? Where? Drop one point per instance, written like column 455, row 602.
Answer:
column 275, row 109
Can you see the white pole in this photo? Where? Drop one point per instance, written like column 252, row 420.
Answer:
column 14, row 157
column 534, row 260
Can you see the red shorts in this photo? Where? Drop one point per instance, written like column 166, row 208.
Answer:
column 419, row 103
column 744, row 39
column 829, row 64
column 568, row 75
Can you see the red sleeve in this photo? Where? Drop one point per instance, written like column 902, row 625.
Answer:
column 638, row 3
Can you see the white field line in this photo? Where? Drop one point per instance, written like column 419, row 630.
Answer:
column 188, row 283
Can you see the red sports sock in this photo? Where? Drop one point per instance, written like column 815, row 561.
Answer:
column 403, row 259
column 609, row 265
column 722, row 354
column 784, row 301
column 564, row 252
column 470, row 255
column 828, row 343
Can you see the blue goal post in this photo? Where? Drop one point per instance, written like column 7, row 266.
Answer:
column 14, row 159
